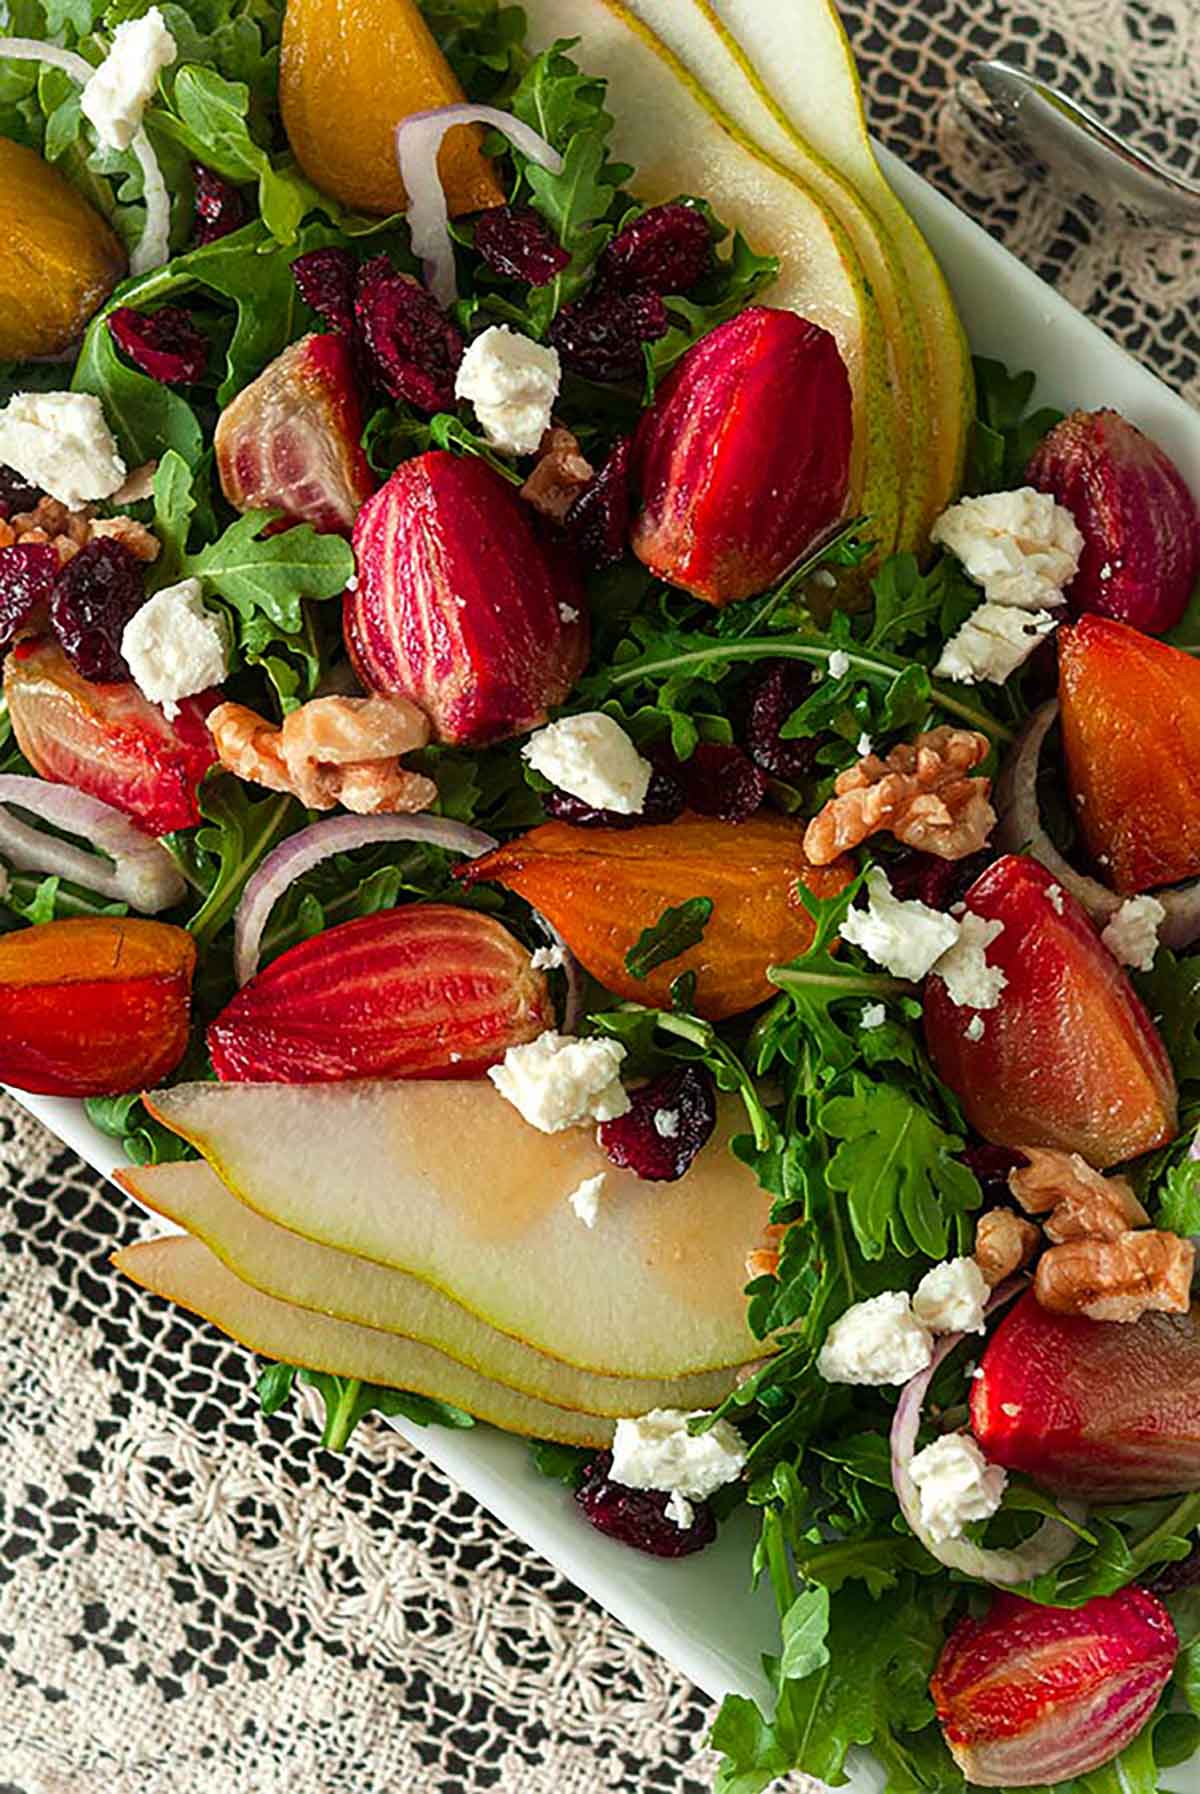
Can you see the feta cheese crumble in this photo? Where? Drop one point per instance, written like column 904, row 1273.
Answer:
column 839, row 664
column 951, row 1297
column 666, row 1123
column 512, row 383
column 174, row 647
column 970, row 981
column 60, row 442
column 657, row 1452
column 873, row 1016
column 1022, row 547
column 592, row 758
column 993, row 642
column 908, row 938
column 679, row 1511
column 974, row 1029
column 1132, row 935
column 876, row 1342
column 117, row 95
column 956, row 1485
column 586, row 1199
column 548, row 959
column 1055, row 894
column 558, row 1082
column 864, row 746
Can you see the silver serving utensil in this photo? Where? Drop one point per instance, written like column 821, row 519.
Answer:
column 1055, row 134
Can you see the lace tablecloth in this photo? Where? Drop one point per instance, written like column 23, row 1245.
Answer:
column 197, row 1601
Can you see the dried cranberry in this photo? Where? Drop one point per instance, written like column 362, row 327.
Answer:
column 664, row 799
column 991, row 1165
column 414, row 346
column 515, row 242
column 665, row 1126
column 164, row 344
column 599, row 518
column 96, row 594
column 16, row 494
column 326, row 280
column 722, row 781
column 667, row 250
column 220, row 208
column 638, row 1517
column 28, row 571
column 934, row 881
column 767, row 702
column 601, row 336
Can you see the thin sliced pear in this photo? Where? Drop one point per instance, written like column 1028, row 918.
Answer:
column 692, row 30
column 185, row 1271
column 445, row 1180
column 298, row 1271
column 680, row 141
column 799, row 53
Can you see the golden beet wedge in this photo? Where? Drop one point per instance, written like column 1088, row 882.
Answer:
column 59, row 260
column 349, row 71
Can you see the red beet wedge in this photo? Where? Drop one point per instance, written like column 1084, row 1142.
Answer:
column 1069, row 1056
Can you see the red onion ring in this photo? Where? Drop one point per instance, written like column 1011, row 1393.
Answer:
column 1021, row 830
column 418, row 140
column 571, row 971
column 1049, row 1545
column 138, row 871
column 302, row 851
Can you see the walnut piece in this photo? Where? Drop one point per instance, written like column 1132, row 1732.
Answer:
column 69, row 531
column 330, row 751
column 1004, row 1243
column 922, row 793
column 1117, row 1279
column 559, row 477
column 1078, row 1202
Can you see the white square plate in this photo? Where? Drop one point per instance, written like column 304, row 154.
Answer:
column 699, row 1613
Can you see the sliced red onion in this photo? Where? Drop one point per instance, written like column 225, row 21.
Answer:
column 1021, row 830
column 1049, row 1545
column 418, row 140
column 31, row 49
column 302, row 851
column 139, row 871
column 573, row 1007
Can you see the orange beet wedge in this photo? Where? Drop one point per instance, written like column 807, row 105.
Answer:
column 1069, row 1056
column 602, row 887
column 95, row 1006
column 1131, row 734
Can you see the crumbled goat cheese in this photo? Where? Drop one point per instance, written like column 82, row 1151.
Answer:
column 567, row 613
column 586, row 1199
column 825, row 579
column 952, row 1297
column 548, row 959
column 907, row 937
column 864, row 746
column 657, row 1452
column 666, row 1123
column 839, row 664
column 873, row 1016
column 174, row 647
column 558, row 1082
column 974, row 1029
column 1132, row 935
column 60, row 442
column 1055, row 894
column 512, row 383
column 875, row 1342
column 970, row 981
column 993, row 642
column 592, row 758
column 956, row 1485
column 679, row 1511
column 117, row 95
column 1022, row 547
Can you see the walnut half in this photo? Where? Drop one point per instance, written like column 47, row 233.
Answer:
column 922, row 793
column 1004, row 1243
column 1078, row 1202
column 1117, row 1279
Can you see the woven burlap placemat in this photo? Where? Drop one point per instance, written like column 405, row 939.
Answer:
column 197, row 1601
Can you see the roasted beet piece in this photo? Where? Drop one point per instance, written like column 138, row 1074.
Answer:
column 164, row 344
column 326, row 280
column 767, row 701
column 220, row 208
column 28, row 571
column 515, row 242
column 638, row 1517
column 601, row 336
column 665, row 1126
column 599, row 519
column 94, row 597
column 722, row 781
column 667, row 250
column 413, row 345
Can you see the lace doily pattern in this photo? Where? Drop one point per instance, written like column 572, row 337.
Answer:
column 197, row 1601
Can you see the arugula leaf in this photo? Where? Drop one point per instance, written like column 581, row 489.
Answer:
column 680, row 926
column 174, row 507
column 272, row 573
column 805, row 1627
column 143, row 1140
column 347, row 1400
column 145, row 416
column 1005, row 433
column 559, row 1463
column 482, row 41
column 1171, row 992
column 897, row 1169
column 218, row 857
column 208, row 118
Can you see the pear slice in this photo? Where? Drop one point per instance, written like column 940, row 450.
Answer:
column 680, row 141
column 298, row 1271
column 692, row 30
column 185, row 1271
column 798, row 53
column 445, row 1180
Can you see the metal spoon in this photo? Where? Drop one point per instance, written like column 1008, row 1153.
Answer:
column 1047, row 129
